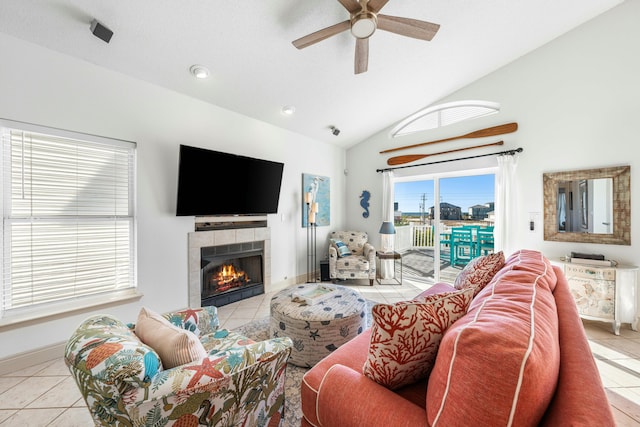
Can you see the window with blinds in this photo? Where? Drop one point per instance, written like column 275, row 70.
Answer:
column 69, row 217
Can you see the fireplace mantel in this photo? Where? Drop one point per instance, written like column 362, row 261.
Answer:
column 200, row 239
column 206, row 223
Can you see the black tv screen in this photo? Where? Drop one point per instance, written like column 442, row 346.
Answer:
column 215, row 183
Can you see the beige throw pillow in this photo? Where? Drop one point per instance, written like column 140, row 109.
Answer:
column 174, row 345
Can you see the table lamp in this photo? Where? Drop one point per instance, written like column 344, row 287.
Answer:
column 387, row 230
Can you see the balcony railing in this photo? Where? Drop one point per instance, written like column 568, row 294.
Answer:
column 414, row 236
column 420, row 236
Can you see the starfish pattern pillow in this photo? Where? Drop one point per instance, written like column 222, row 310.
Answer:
column 405, row 336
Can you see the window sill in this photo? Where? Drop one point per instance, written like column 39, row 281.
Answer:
column 60, row 311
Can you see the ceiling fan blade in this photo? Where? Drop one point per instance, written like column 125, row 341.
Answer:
column 375, row 5
column 320, row 35
column 362, row 55
column 351, row 5
column 408, row 27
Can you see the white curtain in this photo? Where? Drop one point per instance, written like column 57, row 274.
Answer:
column 387, row 196
column 506, row 203
column 386, row 266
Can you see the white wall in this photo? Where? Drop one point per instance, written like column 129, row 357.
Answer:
column 576, row 103
column 47, row 88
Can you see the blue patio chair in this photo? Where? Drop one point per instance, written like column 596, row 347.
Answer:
column 445, row 243
column 462, row 246
column 484, row 242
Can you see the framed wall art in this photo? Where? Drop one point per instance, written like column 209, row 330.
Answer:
column 316, row 195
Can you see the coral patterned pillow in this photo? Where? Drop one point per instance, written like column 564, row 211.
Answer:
column 405, row 336
column 479, row 272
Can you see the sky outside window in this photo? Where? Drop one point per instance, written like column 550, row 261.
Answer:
column 463, row 192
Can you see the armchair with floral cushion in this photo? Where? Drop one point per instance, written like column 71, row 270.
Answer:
column 351, row 256
column 194, row 373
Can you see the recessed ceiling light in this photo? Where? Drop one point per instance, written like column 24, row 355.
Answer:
column 199, row 71
column 288, row 110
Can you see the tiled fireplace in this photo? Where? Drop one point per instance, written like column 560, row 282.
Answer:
column 227, row 264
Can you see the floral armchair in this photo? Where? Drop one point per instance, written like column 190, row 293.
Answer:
column 351, row 256
column 239, row 382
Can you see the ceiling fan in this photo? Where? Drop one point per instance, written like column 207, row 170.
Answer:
column 363, row 22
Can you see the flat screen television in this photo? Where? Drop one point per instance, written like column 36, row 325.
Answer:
column 216, row 183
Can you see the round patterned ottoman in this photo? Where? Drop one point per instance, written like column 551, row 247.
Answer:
column 318, row 329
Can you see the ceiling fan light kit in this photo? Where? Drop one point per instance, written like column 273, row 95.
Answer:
column 363, row 22
column 363, row 25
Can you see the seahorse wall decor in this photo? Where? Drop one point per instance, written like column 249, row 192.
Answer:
column 365, row 196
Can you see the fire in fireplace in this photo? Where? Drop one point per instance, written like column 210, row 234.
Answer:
column 228, row 277
column 232, row 272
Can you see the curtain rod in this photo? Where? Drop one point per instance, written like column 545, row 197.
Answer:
column 509, row 152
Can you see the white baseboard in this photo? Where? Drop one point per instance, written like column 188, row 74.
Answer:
column 27, row 359
column 277, row 287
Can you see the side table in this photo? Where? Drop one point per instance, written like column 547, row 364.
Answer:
column 382, row 256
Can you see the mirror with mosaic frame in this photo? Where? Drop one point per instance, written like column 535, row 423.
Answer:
column 573, row 199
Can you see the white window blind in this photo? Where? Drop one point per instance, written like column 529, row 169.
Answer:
column 444, row 115
column 69, row 219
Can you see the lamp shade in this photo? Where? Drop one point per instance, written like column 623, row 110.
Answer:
column 387, row 228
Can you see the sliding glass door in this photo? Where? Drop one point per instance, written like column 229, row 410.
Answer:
column 429, row 210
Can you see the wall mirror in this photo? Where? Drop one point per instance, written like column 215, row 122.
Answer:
column 588, row 206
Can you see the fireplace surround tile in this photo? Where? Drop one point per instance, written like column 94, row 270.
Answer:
column 199, row 239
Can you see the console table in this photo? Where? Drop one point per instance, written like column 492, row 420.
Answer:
column 608, row 294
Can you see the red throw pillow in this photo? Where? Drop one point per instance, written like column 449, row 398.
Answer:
column 405, row 336
column 479, row 271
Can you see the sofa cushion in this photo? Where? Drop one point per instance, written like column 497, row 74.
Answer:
column 351, row 355
column 352, row 264
column 499, row 363
column 405, row 336
column 479, row 271
column 341, row 248
column 175, row 346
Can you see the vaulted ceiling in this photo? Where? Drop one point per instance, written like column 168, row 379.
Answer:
column 255, row 69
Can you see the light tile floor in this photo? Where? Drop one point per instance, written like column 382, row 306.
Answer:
column 46, row 395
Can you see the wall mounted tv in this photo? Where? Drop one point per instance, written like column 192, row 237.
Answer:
column 215, row 183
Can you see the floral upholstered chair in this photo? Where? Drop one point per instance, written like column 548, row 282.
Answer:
column 123, row 381
column 351, row 256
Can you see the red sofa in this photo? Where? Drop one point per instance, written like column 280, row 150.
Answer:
column 519, row 357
